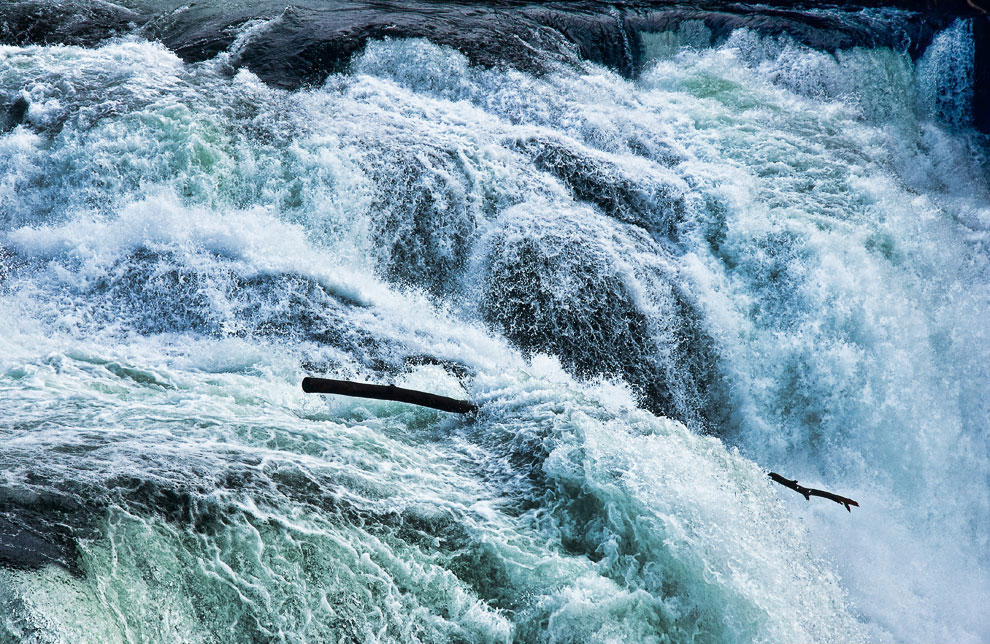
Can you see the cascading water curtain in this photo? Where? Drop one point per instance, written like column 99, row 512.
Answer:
column 750, row 255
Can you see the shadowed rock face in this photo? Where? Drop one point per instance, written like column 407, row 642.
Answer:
column 557, row 289
column 40, row 530
column 43, row 519
column 656, row 206
column 76, row 22
column 12, row 116
column 297, row 44
column 303, row 41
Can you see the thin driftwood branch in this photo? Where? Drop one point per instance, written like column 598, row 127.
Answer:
column 809, row 492
column 387, row 392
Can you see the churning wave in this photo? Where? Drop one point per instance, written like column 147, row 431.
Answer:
column 661, row 270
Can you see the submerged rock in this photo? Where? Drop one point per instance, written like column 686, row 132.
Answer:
column 570, row 290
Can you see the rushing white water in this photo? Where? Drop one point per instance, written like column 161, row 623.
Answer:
column 751, row 256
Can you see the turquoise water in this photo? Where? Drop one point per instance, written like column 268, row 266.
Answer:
column 750, row 257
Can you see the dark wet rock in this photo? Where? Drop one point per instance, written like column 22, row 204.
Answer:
column 40, row 528
column 45, row 514
column 152, row 292
column 14, row 114
column 158, row 292
column 828, row 32
column 76, row 22
column 655, row 205
column 301, row 43
column 555, row 290
column 177, row 502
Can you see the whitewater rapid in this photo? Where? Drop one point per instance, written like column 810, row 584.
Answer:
column 751, row 256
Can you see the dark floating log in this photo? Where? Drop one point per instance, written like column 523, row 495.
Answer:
column 808, row 492
column 387, row 392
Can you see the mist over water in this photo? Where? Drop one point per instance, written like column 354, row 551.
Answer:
column 750, row 256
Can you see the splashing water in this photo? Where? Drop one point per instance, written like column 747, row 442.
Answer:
column 753, row 255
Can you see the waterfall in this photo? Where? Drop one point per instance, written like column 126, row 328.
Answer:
column 752, row 254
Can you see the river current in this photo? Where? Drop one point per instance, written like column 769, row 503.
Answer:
column 747, row 255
